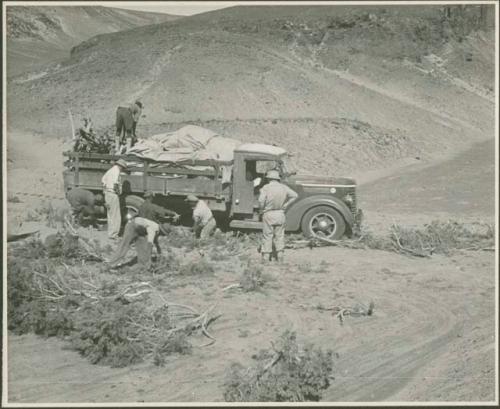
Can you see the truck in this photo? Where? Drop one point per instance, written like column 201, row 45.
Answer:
column 326, row 206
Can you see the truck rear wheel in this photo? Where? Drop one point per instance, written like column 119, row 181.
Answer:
column 323, row 221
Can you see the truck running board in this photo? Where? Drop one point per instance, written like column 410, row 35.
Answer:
column 245, row 224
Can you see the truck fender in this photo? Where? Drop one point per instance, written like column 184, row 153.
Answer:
column 298, row 209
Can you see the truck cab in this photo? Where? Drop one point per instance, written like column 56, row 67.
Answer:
column 325, row 206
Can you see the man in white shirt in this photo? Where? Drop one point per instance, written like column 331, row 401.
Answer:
column 111, row 186
column 204, row 222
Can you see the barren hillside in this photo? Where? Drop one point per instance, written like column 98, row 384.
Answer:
column 343, row 87
column 37, row 35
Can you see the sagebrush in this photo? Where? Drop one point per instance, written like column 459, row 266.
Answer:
column 109, row 320
column 285, row 373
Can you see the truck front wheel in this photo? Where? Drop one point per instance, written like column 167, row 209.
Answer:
column 323, row 221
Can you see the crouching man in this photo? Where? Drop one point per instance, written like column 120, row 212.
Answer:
column 85, row 205
column 150, row 216
column 144, row 229
column 204, row 222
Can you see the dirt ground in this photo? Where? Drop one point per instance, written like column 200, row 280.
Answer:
column 431, row 338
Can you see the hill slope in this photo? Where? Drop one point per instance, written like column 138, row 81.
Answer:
column 42, row 34
column 344, row 87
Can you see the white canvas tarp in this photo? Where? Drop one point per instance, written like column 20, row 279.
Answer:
column 186, row 145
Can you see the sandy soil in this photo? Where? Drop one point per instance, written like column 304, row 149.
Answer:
column 431, row 338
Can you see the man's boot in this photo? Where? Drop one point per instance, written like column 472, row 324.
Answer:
column 265, row 258
column 281, row 257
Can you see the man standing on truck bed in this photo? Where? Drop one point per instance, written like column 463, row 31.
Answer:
column 111, row 184
column 204, row 222
column 274, row 198
column 127, row 116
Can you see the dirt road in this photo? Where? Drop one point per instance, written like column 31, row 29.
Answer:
column 462, row 188
column 431, row 337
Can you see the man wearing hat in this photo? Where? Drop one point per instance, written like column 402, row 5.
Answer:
column 112, row 188
column 274, row 198
column 127, row 116
column 85, row 204
column 204, row 222
column 144, row 230
column 149, row 216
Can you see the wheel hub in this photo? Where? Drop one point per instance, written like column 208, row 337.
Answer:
column 323, row 224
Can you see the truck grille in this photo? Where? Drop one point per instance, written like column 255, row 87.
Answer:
column 352, row 206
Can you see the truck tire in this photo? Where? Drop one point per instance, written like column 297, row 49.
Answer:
column 323, row 221
column 132, row 204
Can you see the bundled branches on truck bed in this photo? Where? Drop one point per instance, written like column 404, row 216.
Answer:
column 87, row 140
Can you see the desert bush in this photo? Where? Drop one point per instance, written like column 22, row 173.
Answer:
column 252, row 278
column 436, row 237
column 177, row 343
column 110, row 321
column 196, row 267
column 53, row 216
column 287, row 373
column 29, row 249
column 167, row 262
column 64, row 245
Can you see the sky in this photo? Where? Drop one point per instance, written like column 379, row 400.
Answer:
column 184, row 8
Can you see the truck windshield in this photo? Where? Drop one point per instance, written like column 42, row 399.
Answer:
column 288, row 167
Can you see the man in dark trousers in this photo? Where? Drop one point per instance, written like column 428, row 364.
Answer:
column 85, row 205
column 127, row 116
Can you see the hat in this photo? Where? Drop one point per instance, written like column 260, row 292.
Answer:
column 149, row 193
column 191, row 198
column 138, row 103
column 273, row 174
column 122, row 163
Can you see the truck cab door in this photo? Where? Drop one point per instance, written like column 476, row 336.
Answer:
column 242, row 201
column 248, row 178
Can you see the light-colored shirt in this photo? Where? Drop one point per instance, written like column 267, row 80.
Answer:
column 274, row 196
column 202, row 213
column 111, row 178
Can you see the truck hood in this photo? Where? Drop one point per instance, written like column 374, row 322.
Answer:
column 321, row 181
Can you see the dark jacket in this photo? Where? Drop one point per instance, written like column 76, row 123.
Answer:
column 81, row 200
column 153, row 212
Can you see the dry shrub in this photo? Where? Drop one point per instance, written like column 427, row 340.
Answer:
column 53, row 216
column 196, row 267
column 435, row 237
column 109, row 320
column 286, row 373
column 252, row 278
column 443, row 237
